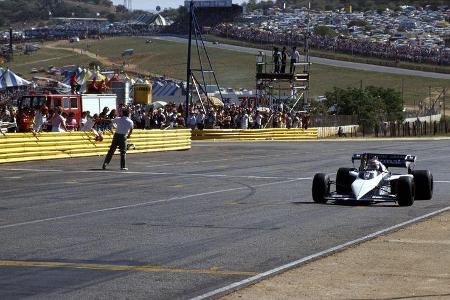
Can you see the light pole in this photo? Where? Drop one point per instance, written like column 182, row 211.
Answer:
column 188, row 68
column 443, row 105
column 11, row 52
column 403, row 103
column 429, row 95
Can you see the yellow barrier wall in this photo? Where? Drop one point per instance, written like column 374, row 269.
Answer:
column 16, row 147
column 349, row 130
column 275, row 134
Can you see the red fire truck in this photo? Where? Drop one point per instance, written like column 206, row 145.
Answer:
column 94, row 103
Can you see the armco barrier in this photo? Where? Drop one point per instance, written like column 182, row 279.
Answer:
column 275, row 134
column 16, row 147
column 348, row 130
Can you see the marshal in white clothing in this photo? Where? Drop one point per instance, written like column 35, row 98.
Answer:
column 124, row 125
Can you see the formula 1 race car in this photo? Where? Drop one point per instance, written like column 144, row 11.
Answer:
column 374, row 182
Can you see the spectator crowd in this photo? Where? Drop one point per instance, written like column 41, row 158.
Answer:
column 147, row 117
column 363, row 47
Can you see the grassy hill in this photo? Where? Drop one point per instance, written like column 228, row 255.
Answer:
column 233, row 69
column 33, row 12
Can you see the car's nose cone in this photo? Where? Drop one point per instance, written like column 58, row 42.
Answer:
column 361, row 187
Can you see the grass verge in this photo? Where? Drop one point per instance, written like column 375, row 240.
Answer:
column 233, row 69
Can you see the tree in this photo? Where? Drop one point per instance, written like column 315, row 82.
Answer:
column 111, row 17
column 370, row 105
column 359, row 23
column 121, row 9
column 251, row 5
column 392, row 102
column 170, row 13
column 324, row 31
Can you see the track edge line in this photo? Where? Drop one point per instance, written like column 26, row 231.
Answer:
column 310, row 258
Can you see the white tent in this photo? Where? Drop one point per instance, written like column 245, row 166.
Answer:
column 8, row 79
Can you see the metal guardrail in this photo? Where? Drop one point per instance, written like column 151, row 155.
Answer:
column 270, row 134
column 16, row 147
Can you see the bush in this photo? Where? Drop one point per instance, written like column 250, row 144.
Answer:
column 370, row 105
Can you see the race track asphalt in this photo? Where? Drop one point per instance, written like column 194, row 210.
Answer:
column 180, row 224
column 319, row 60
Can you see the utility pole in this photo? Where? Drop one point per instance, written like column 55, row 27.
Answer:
column 188, row 68
column 443, row 104
column 11, row 51
column 306, row 68
column 429, row 95
column 403, row 102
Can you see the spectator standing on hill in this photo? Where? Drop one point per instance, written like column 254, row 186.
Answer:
column 283, row 60
column 74, row 85
column 276, row 59
column 123, row 132
column 295, row 57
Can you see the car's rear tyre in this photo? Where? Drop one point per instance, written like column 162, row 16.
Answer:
column 320, row 187
column 423, row 181
column 405, row 191
column 344, row 181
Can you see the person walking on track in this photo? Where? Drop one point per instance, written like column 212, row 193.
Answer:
column 123, row 132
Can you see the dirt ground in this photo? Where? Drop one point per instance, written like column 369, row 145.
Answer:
column 411, row 263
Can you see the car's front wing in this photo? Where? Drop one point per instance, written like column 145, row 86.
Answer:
column 373, row 198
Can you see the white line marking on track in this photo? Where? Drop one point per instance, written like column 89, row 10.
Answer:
column 159, row 173
column 441, row 181
column 145, row 203
column 257, row 278
column 193, row 162
column 190, row 162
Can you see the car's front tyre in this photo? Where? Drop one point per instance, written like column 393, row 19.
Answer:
column 344, row 181
column 405, row 191
column 320, row 187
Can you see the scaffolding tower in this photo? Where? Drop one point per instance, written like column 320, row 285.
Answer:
column 197, row 78
column 276, row 84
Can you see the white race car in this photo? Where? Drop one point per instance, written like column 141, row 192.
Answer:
column 374, row 182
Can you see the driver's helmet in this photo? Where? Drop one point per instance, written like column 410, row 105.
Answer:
column 373, row 164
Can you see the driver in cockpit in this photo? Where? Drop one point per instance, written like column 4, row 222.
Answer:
column 375, row 165
column 363, row 164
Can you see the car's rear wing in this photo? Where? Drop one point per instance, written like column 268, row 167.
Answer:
column 390, row 160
